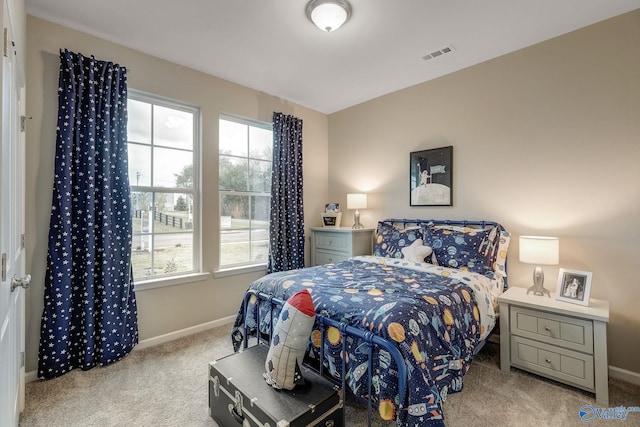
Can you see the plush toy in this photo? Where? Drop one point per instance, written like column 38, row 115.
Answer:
column 418, row 252
column 289, row 342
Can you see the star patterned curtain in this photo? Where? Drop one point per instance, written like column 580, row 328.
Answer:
column 286, row 232
column 90, row 314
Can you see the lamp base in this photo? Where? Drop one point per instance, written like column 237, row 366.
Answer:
column 540, row 292
column 538, row 283
column 356, row 220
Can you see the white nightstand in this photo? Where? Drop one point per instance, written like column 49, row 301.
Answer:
column 558, row 340
column 337, row 244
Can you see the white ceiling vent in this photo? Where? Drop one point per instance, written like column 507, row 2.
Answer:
column 439, row 52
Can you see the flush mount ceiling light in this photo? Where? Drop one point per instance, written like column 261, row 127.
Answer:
column 328, row 15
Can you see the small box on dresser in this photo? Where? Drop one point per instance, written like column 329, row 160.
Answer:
column 330, row 245
column 555, row 339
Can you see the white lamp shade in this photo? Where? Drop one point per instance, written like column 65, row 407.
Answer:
column 356, row 201
column 328, row 15
column 539, row 250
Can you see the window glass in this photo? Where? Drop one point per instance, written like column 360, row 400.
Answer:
column 233, row 138
column 261, row 143
column 168, row 164
column 234, row 173
column 162, row 154
column 244, row 187
column 260, row 176
column 139, row 124
column 172, row 128
column 139, row 164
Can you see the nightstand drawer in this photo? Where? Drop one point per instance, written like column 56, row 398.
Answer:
column 565, row 331
column 553, row 362
column 334, row 241
column 323, row 257
column 329, row 245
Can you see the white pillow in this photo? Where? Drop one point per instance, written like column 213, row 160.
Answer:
column 418, row 252
column 289, row 342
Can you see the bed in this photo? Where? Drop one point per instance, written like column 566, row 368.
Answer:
column 402, row 324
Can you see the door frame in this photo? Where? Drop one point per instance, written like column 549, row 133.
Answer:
column 12, row 188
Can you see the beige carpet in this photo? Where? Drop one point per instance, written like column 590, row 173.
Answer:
column 166, row 385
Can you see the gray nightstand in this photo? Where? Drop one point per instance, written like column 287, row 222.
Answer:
column 337, row 244
column 558, row 340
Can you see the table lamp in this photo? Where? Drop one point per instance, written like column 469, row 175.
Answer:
column 356, row 201
column 539, row 250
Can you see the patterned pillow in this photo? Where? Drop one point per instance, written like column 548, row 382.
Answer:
column 464, row 248
column 500, row 263
column 390, row 240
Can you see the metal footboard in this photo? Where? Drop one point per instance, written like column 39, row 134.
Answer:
column 368, row 337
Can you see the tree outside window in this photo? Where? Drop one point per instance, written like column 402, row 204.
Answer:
column 244, row 188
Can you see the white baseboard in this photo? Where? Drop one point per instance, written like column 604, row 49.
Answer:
column 184, row 332
column 32, row 376
column 624, row 375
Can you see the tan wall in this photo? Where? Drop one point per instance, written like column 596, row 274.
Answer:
column 546, row 141
column 172, row 308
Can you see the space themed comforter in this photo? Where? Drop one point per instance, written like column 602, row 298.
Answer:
column 436, row 316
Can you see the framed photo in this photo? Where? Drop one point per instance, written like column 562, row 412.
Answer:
column 574, row 286
column 431, row 177
column 331, row 219
column 332, row 207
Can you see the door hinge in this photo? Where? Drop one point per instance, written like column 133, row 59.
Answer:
column 22, row 359
column 5, row 44
column 23, row 122
column 4, row 268
column 22, row 241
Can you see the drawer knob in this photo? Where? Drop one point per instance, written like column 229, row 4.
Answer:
column 548, row 329
column 547, row 360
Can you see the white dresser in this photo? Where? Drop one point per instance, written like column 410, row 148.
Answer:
column 558, row 340
column 330, row 245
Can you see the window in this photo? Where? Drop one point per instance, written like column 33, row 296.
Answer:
column 245, row 159
column 163, row 147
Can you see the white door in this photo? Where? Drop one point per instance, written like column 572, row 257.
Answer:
column 12, row 278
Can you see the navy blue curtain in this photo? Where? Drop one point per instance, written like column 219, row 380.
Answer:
column 90, row 314
column 286, row 249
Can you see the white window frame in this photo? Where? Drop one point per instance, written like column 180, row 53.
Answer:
column 250, row 266
column 196, row 274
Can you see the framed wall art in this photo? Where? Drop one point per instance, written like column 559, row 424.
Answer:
column 431, row 177
column 574, row 286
